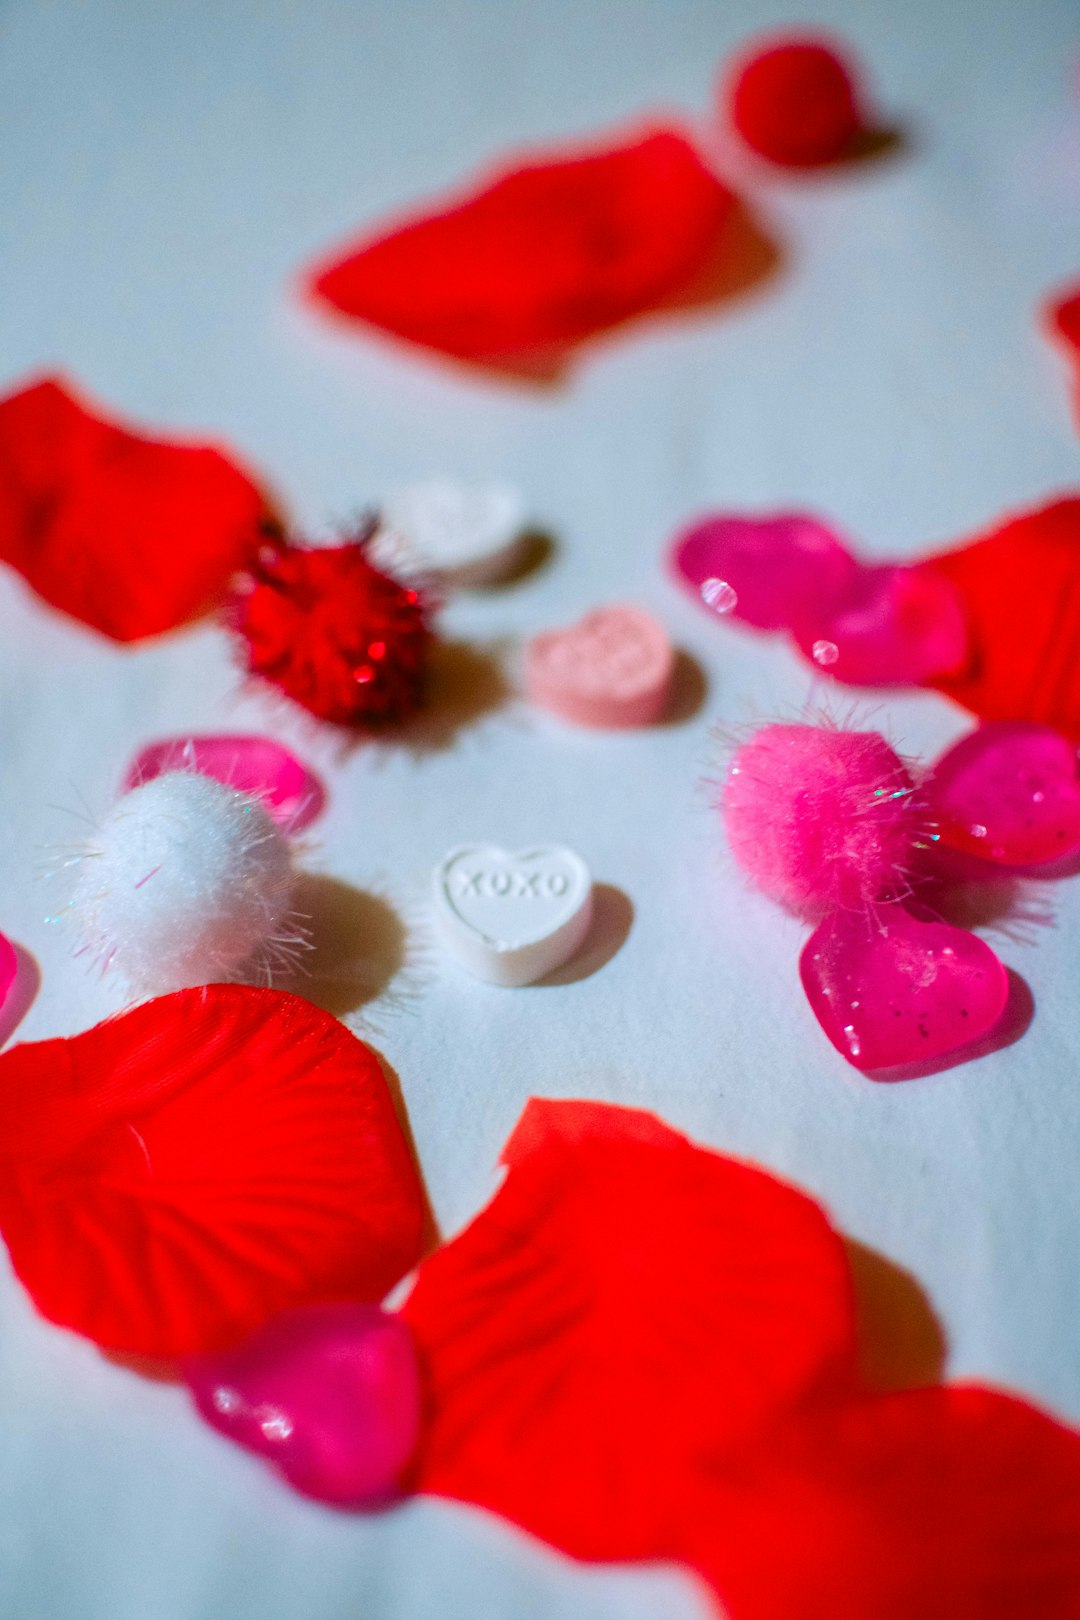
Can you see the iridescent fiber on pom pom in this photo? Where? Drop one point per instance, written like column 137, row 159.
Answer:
column 819, row 817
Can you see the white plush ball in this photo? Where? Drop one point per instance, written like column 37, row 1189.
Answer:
column 188, row 882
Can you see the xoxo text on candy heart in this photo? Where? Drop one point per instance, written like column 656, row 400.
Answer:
column 512, row 918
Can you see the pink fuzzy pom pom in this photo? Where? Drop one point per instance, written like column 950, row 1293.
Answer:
column 820, row 817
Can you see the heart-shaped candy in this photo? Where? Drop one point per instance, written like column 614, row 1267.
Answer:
column 510, row 919
column 611, row 669
column 1008, row 793
column 291, row 794
column 892, row 987
column 769, row 571
column 465, row 535
column 330, row 1395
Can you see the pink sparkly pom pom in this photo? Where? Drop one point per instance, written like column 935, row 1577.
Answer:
column 820, row 817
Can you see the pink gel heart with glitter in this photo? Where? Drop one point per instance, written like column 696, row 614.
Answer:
column 292, row 794
column 892, row 626
column 329, row 1394
column 867, row 625
column 892, row 986
column 9, row 967
column 1008, row 793
column 768, row 571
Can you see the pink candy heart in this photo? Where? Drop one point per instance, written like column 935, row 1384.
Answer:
column 891, row 986
column 329, row 1394
column 613, row 668
column 767, row 571
column 292, row 795
column 1008, row 793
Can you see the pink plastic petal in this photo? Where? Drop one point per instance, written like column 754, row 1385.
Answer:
column 770, row 572
column 1008, row 793
column 9, row 966
column 292, row 794
column 893, row 626
column 891, row 987
column 329, row 1394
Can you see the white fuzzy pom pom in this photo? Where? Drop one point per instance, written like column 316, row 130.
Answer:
column 188, row 882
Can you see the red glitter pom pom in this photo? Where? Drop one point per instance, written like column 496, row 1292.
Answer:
column 795, row 103
column 335, row 634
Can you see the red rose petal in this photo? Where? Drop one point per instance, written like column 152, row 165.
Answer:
column 175, row 1176
column 940, row 1504
column 1019, row 586
column 131, row 536
column 546, row 251
column 625, row 1304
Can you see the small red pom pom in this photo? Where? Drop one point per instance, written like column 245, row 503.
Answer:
column 795, row 103
column 1061, row 317
column 335, row 634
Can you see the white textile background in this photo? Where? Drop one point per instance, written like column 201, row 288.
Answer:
column 165, row 169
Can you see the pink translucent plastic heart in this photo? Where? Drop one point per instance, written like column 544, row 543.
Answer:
column 767, row 571
column 891, row 626
column 1008, row 793
column 891, row 986
column 329, row 1394
column 867, row 625
column 9, row 967
column 292, row 794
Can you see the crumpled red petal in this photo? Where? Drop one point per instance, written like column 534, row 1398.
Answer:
column 1019, row 586
column 175, row 1176
column 129, row 535
column 625, row 1305
column 543, row 253
column 945, row 1504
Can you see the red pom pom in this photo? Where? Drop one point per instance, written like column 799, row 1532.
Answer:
column 335, row 634
column 543, row 254
column 795, row 103
column 1061, row 316
column 172, row 1178
column 1063, row 320
column 131, row 536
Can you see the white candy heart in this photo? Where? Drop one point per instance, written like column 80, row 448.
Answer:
column 467, row 534
column 512, row 918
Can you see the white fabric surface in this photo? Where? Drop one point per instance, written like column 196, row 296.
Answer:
column 164, row 170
